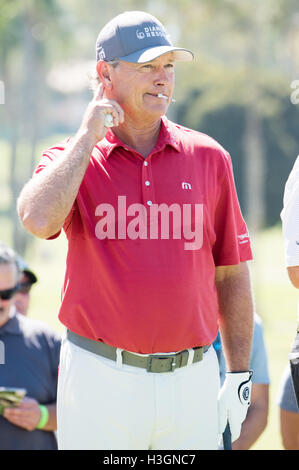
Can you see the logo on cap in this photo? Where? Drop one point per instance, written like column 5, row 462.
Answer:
column 150, row 31
column 140, row 34
column 101, row 53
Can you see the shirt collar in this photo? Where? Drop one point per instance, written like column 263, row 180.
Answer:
column 167, row 136
column 12, row 326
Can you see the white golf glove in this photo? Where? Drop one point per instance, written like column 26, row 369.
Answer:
column 234, row 401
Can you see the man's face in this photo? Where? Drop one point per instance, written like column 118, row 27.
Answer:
column 22, row 296
column 8, row 280
column 136, row 87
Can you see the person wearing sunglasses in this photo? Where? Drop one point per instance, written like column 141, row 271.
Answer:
column 31, row 356
column 27, row 279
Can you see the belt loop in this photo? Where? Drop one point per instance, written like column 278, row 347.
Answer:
column 190, row 357
column 119, row 358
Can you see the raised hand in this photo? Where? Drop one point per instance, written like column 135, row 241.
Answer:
column 100, row 114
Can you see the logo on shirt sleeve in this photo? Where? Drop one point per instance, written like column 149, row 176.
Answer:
column 244, row 238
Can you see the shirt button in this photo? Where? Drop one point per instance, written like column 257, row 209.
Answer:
column 147, row 183
column 145, row 163
column 149, row 203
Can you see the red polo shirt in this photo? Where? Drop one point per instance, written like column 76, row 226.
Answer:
column 135, row 278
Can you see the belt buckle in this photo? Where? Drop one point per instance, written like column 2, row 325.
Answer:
column 154, row 358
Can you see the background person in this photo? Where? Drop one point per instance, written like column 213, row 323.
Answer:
column 142, row 313
column 26, row 281
column 290, row 229
column 288, row 411
column 290, row 224
column 31, row 362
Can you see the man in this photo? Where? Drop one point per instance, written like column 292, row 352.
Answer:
column 27, row 279
column 31, row 354
column 290, row 219
column 289, row 398
column 256, row 419
column 140, row 296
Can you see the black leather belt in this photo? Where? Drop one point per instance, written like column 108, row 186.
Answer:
column 150, row 362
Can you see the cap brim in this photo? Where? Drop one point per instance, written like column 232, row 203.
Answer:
column 146, row 55
column 31, row 275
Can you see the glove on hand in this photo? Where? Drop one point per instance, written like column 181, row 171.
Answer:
column 234, row 401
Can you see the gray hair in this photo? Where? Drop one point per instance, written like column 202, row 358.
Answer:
column 8, row 256
column 93, row 77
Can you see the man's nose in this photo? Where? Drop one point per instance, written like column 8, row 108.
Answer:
column 162, row 76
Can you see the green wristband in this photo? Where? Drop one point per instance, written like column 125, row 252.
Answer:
column 43, row 418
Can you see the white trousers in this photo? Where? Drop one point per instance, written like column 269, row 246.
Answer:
column 104, row 405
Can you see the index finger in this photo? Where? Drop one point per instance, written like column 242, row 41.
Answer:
column 99, row 93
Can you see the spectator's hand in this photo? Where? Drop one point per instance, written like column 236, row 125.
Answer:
column 27, row 415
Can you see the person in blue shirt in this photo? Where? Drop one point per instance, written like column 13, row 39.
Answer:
column 29, row 360
column 256, row 419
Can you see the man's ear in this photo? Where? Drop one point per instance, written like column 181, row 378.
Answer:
column 103, row 71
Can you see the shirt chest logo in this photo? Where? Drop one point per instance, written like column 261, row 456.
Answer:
column 186, row 185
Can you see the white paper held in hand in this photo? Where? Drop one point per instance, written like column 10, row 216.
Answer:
column 108, row 122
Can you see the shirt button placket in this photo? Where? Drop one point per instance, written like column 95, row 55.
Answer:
column 146, row 183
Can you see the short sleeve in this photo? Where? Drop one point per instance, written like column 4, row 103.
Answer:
column 290, row 217
column 286, row 398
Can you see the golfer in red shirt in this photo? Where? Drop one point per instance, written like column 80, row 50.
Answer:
column 157, row 251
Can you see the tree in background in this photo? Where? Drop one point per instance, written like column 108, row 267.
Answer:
column 34, row 35
column 246, row 55
column 24, row 32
